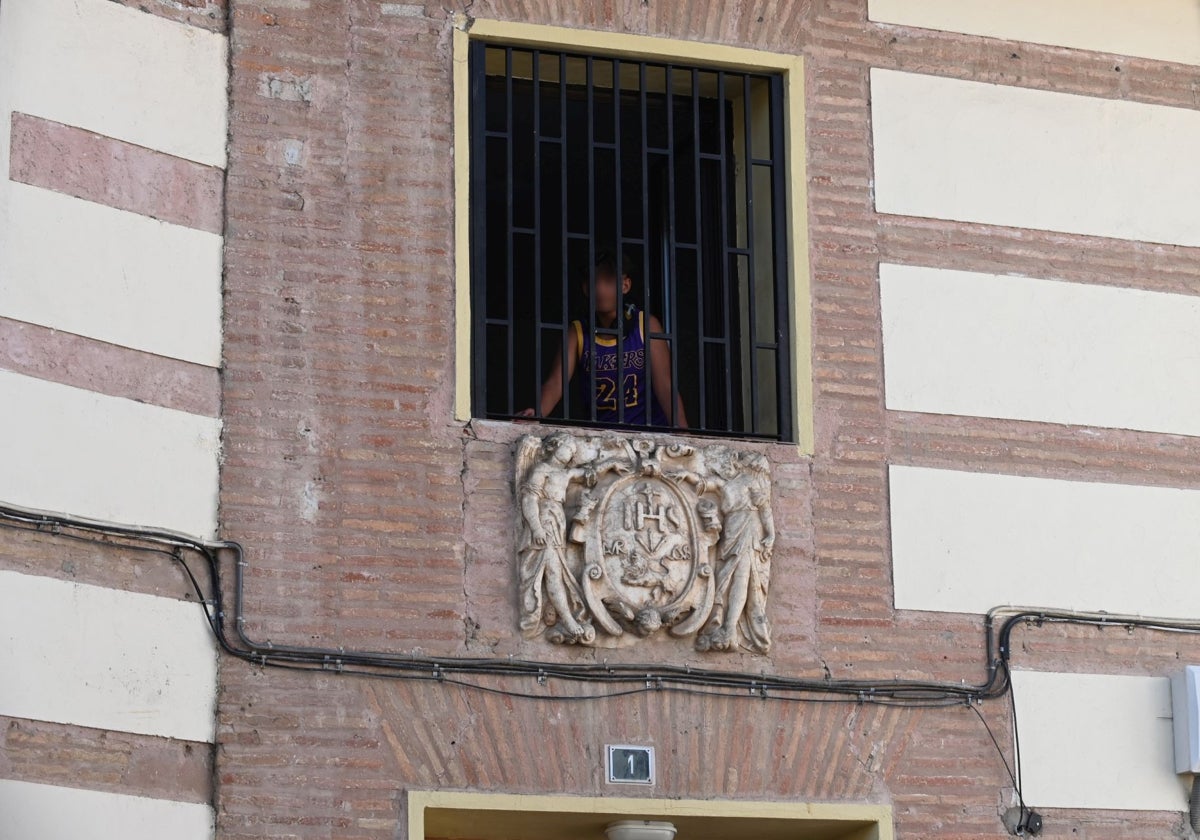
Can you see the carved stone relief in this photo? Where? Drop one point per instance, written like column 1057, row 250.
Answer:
column 619, row 539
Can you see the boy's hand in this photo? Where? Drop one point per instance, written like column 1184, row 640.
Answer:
column 527, row 413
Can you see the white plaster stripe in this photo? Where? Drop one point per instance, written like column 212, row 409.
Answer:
column 1166, row 30
column 33, row 811
column 105, row 658
column 116, row 71
column 106, row 457
column 1097, row 741
column 975, row 152
column 966, row 542
column 110, row 274
column 959, row 342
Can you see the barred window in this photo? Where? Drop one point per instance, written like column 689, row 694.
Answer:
column 628, row 246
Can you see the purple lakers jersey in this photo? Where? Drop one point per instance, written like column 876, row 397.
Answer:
column 601, row 351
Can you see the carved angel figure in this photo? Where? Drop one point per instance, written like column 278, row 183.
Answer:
column 745, row 548
column 542, row 547
column 545, row 575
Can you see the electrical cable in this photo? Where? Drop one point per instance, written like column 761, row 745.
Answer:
column 654, row 677
column 468, row 672
column 1018, row 783
column 1004, row 760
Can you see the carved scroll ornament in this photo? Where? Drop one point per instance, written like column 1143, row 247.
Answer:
column 620, row 539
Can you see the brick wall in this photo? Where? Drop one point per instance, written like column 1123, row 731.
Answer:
column 373, row 520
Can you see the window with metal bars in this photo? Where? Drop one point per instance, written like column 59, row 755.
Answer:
column 628, row 246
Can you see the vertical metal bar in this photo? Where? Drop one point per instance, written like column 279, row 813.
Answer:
column 647, row 339
column 669, row 268
column 536, row 367
column 566, row 272
column 589, row 329
column 477, row 71
column 750, row 279
column 511, row 308
column 618, row 257
column 783, row 398
column 720, row 100
column 697, row 197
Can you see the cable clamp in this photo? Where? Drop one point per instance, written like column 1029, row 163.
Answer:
column 541, row 676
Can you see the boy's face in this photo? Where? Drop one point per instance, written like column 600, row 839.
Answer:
column 606, row 290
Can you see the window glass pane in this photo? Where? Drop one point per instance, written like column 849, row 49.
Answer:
column 711, row 110
column 524, row 141
column 550, row 121
column 764, row 256
column 522, row 65
column 496, row 115
column 760, row 117
column 768, row 410
column 496, row 265
column 604, row 202
column 656, row 106
column 496, row 341
column 602, row 100
column 716, row 394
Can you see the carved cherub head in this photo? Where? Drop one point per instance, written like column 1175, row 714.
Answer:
column 755, row 461
column 722, row 461
column 559, row 447
column 647, row 621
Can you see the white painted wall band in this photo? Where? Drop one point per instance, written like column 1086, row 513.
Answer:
column 107, row 458
column 965, row 542
column 974, row 152
column 110, row 274
column 50, row 812
column 105, row 658
column 987, row 345
column 117, row 71
column 1165, row 30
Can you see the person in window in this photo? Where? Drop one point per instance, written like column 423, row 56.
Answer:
column 584, row 351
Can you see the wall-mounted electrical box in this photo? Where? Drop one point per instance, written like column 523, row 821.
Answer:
column 1185, row 709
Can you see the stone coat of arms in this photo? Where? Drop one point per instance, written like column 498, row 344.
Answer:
column 620, row 539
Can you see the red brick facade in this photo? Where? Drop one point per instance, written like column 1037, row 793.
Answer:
column 373, row 520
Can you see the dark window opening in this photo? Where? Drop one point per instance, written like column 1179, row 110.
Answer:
column 631, row 205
